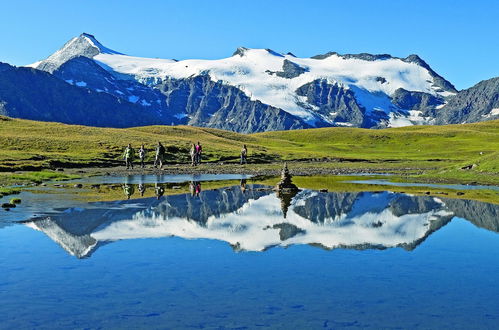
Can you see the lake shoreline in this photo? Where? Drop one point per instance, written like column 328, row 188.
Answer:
column 398, row 172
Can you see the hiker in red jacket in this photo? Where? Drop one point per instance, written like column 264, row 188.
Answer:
column 199, row 152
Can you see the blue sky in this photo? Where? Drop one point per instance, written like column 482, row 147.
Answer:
column 459, row 39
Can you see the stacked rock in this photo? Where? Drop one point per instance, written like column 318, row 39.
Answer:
column 286, row 183
column 286, row 190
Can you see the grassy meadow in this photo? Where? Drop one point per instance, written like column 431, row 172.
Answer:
column 425, row 153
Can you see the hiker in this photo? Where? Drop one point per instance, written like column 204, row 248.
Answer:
column 160, row 155
column 193, row 155
column 142, row 156
column 243, row 185
column 128, row 156
column 244, row 155
column 199, row 152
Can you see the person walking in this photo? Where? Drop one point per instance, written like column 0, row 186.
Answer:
column 128, row 156
column 160, row 154
column 199, row 152
column 142, row 156
column 193, row 154
column 244, row 155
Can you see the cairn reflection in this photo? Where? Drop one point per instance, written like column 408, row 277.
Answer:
column 255, row 218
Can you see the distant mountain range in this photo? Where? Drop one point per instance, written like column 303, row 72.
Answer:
column 254, row 90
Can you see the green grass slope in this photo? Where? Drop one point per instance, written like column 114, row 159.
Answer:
column 440, row 151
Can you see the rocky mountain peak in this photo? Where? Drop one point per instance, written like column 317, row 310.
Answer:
column 84, row 45
column 240, row 51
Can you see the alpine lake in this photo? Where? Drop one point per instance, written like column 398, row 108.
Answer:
column 229, row 252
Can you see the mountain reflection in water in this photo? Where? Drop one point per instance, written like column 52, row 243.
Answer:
column 254, row 218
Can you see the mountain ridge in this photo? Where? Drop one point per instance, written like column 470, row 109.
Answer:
column 272, row 91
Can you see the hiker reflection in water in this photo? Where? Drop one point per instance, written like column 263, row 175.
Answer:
column 191, row 188
column 159, row 190
column 128, row 190
column 142, row 189
column 195, row 188
column 243, row 185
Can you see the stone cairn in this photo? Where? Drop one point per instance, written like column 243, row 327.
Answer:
column 286, row 184
column 286, row 190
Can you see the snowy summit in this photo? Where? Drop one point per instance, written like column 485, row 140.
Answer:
column 261, row 85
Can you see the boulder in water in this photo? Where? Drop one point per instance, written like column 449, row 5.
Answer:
column 8, row 205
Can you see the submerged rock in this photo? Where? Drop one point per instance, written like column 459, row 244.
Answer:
column 8, row 205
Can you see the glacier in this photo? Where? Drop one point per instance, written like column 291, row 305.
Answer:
column 359, row 90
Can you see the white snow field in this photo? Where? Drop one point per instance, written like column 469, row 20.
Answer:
column 253, row 72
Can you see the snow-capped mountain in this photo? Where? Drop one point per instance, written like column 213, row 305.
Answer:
column 33, row 94
column 260, row 89
column 257, row 219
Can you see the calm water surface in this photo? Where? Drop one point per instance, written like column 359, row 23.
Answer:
column 242, row 257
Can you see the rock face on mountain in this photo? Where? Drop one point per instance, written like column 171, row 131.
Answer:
column 478, row 103
column 482, row 215
column 33, row 94
column 200, row 101
column 212, row 203
column 85, row 45
column 83, row 72
column 258, row 90
column 416, row 100
column 323, row 207
column 327, row 97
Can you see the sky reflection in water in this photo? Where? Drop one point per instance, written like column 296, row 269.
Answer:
column 236, row 261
